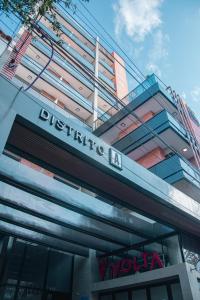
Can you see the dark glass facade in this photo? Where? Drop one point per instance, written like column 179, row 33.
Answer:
column 32, row 272
column 165, row 291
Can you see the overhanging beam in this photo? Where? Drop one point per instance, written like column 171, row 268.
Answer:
column 35, row 237
column 68, row 197
column 134, row 187
column 19, row 218
column 31, row 204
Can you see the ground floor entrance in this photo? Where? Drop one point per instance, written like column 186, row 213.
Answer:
column 162, row 291
column 32, row 272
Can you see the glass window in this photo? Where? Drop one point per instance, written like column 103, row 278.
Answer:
column 34, row 267
column 159, row 293
column 28, row 294
column 121, row 296
column 176, row 291
column 15, row 259
column 139, row 295
column 8, row 293
column 106, row 297
column 59, row 272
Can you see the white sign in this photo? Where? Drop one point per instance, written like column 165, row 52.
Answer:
column 115, row 159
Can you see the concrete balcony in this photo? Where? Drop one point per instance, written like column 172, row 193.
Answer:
column 59, row 9
column 57, row 83
column 62, row 62
column 163, row 124
column 48, row 82
column 148, row 96
column 73, row 37
column 179, row 173
column 109, row 82
column 69, row 68
column 106, row 66
column 67, row 47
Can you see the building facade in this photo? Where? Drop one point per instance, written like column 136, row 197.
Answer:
column 99, row 188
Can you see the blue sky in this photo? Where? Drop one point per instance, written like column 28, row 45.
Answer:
column 161, row 36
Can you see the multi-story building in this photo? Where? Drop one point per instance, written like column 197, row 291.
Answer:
column 99, row 188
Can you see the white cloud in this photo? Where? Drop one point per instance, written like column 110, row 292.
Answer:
column 195, row 93
column 137, row 17
column 153, row 68
column 183, row 95
column 158, row 52
column 137, row 51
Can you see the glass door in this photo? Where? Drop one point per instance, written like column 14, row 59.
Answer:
column 139, row 295
column 121, row 296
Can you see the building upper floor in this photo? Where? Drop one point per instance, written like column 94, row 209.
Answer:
column 75, row 70
column 151, row 130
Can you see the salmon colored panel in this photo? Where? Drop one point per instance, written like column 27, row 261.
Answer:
column 152, row 158
column 135, row 124
column 120, row 76
column 148, row 116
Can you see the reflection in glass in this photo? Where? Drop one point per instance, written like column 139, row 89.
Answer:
column 106, row 297
column 9, row 293
column 139, row 295
column 121, row 296
column 28, row 294
column 159, row 293
column 176, row 291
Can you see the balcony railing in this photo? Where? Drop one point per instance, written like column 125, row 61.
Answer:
column 55, row 106
column 57, row 84
column 175, row 168
column 68, row 67
column 62, row 62
column 139, row 90
column 107, row 80
column 140, row 135
column 67, row 47
column 73, row 37
column 59, row 9
column 106, row 66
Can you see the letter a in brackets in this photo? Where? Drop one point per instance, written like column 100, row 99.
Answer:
column 115, row 159
column 44, row 114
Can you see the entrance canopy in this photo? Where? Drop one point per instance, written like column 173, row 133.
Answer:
column 42, row 209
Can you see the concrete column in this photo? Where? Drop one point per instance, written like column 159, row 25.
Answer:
column 85, row 273
column 7, row 112
column 95, row 103
column 173, row 250
column 189, row 283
